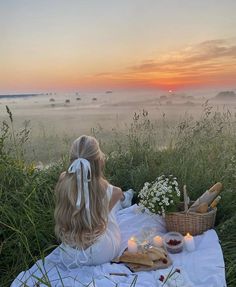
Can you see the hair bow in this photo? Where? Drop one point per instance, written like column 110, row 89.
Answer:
column 82, row 182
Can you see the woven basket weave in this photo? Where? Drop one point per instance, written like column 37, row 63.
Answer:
column 192, row 222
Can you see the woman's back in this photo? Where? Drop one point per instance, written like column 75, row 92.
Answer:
column 103, row 250
column 84, row 216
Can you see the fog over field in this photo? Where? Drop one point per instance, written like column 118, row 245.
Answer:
column 79, row 112
column 60, row 117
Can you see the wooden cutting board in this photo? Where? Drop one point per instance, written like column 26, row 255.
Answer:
column 134, row 267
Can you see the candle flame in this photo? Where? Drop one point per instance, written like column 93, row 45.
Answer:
column 133, row 238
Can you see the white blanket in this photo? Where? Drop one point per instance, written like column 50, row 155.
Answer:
column 202, row 268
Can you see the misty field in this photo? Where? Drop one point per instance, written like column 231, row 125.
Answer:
column 139, row 146
column 55, row 120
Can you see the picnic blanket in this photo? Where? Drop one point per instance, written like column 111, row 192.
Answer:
column 203, row 267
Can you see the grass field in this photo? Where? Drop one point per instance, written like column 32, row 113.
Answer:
column 199, row 152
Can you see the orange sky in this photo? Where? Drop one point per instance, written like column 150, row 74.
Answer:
column 116, row 45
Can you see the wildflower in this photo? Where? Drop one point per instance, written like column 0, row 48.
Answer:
column 177, row 270
column 168, row 277
column 160, row 195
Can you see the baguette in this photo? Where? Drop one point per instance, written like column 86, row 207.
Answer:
column 137, row 258
column 202, row 208
column 216, row 187
column 207, row 197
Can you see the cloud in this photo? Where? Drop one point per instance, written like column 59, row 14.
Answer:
column 209, row 62
column 103, row 74
column 205, row 56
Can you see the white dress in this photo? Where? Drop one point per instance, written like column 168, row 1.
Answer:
column 102, row 251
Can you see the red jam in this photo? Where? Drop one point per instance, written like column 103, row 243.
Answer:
column 173, row 242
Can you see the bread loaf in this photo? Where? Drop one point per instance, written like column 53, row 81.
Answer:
column 202, row 208
column 216, row 187
column 207, row 197
column 156, row 253
column 138, row 258
column 215, row 202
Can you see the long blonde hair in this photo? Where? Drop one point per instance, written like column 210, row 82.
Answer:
column 71, row 224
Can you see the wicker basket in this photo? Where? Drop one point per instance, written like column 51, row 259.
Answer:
column 192, row 222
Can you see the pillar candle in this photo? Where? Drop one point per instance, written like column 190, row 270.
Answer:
column 189, row 242
column 158, row 241
column 132, row 245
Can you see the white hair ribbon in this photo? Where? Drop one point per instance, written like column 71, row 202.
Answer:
column 75, row 167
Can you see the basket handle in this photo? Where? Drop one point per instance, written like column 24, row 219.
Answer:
column 185, row 199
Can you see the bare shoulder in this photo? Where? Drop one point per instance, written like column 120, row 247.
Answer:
column 117, row 193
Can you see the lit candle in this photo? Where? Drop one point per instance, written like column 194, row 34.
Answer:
column 189, row 242
column 158, row 241
column 132, row 245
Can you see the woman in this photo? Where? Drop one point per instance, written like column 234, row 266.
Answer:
column 85, row 215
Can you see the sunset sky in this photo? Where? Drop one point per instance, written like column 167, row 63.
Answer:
column 127, row 44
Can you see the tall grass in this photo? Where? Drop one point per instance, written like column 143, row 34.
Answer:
column 199, row 152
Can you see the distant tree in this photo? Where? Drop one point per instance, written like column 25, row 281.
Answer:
column 226, row 95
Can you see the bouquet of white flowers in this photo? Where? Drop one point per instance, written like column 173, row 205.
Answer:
column 161, row 195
